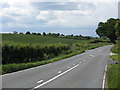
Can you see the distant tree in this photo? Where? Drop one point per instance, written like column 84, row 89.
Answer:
column 15, row 32
column 49, row 34
column 76, row 36
column 38, row 33
column 71, row 35
column 21, row 33
column 28, row 32
column 44, row 33
column 62, row 35
column 33, row 33
column 58, row 34
column 80, row 36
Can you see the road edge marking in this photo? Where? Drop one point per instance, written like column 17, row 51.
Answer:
column 103, row 85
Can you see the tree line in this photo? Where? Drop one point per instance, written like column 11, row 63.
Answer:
column 109, row 29
column 79, row 37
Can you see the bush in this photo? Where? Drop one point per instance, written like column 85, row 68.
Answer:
column 23, row 54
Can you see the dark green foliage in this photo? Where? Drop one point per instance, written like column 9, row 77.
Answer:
column 23, row 54
column 25, row 51
column 109, row 29
column 77, row 49
column 44, row 33
column 28, row 32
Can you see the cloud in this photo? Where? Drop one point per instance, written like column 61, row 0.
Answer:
column 7, row 19
column 66, row 17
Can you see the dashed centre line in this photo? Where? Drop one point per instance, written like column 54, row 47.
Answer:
column 60, row 74
column 40, row 81
column 55, row 77
column 59, row 71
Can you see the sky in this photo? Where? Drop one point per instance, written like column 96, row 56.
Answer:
column 71, row 17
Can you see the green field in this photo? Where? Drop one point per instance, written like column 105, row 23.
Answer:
column 25, row 51
column 35, row 40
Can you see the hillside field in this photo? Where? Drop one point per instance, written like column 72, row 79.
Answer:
column 25, row 51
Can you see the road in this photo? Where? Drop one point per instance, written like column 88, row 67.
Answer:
column 85, row 70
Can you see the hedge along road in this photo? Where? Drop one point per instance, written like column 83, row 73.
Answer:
column 85, row 70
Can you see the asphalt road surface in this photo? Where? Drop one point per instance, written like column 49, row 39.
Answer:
column 85, row 70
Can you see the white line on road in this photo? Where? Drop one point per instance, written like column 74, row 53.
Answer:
column 103, row 86
column 59, row 71
column 92, row 55
column 40, row 81
column 79, row 62
column 68, row 67
column 83, row 60
column 55, row 77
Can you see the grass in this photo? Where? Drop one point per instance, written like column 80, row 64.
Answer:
column 114, row 49
column 115, row 57
column 8, row 68
column 113, row 73
column 77, row 46
column 35, row 39
column 113, row 76
column 16, row 67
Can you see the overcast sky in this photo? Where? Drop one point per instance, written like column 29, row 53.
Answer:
column 56, row 17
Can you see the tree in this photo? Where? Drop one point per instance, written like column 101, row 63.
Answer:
column 33, row 33
column 38, row 33
column 44, row 33
column 109, row 29
column 28, row 32
column 21, row 33
column 15, row 32
column 117, row 28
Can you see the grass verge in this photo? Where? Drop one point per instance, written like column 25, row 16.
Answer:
column 113, row 73
column 113, row 76
column 115, row 57
column 8, row 68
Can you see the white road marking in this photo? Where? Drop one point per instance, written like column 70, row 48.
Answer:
column 40, row 81
column 113, row 54
column 55, row 77
column 79, row 62
column 59, row 71
column 83, row 60
column 103, row 86
column 92, row 55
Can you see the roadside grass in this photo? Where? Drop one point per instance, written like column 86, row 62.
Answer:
column 113, row 75
column 114, row 49
column 115, row 57
column 8, row 68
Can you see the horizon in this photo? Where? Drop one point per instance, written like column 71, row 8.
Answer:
column 77, row 18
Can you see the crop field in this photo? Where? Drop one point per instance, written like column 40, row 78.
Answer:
column 35, row 40
column 25, row 51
